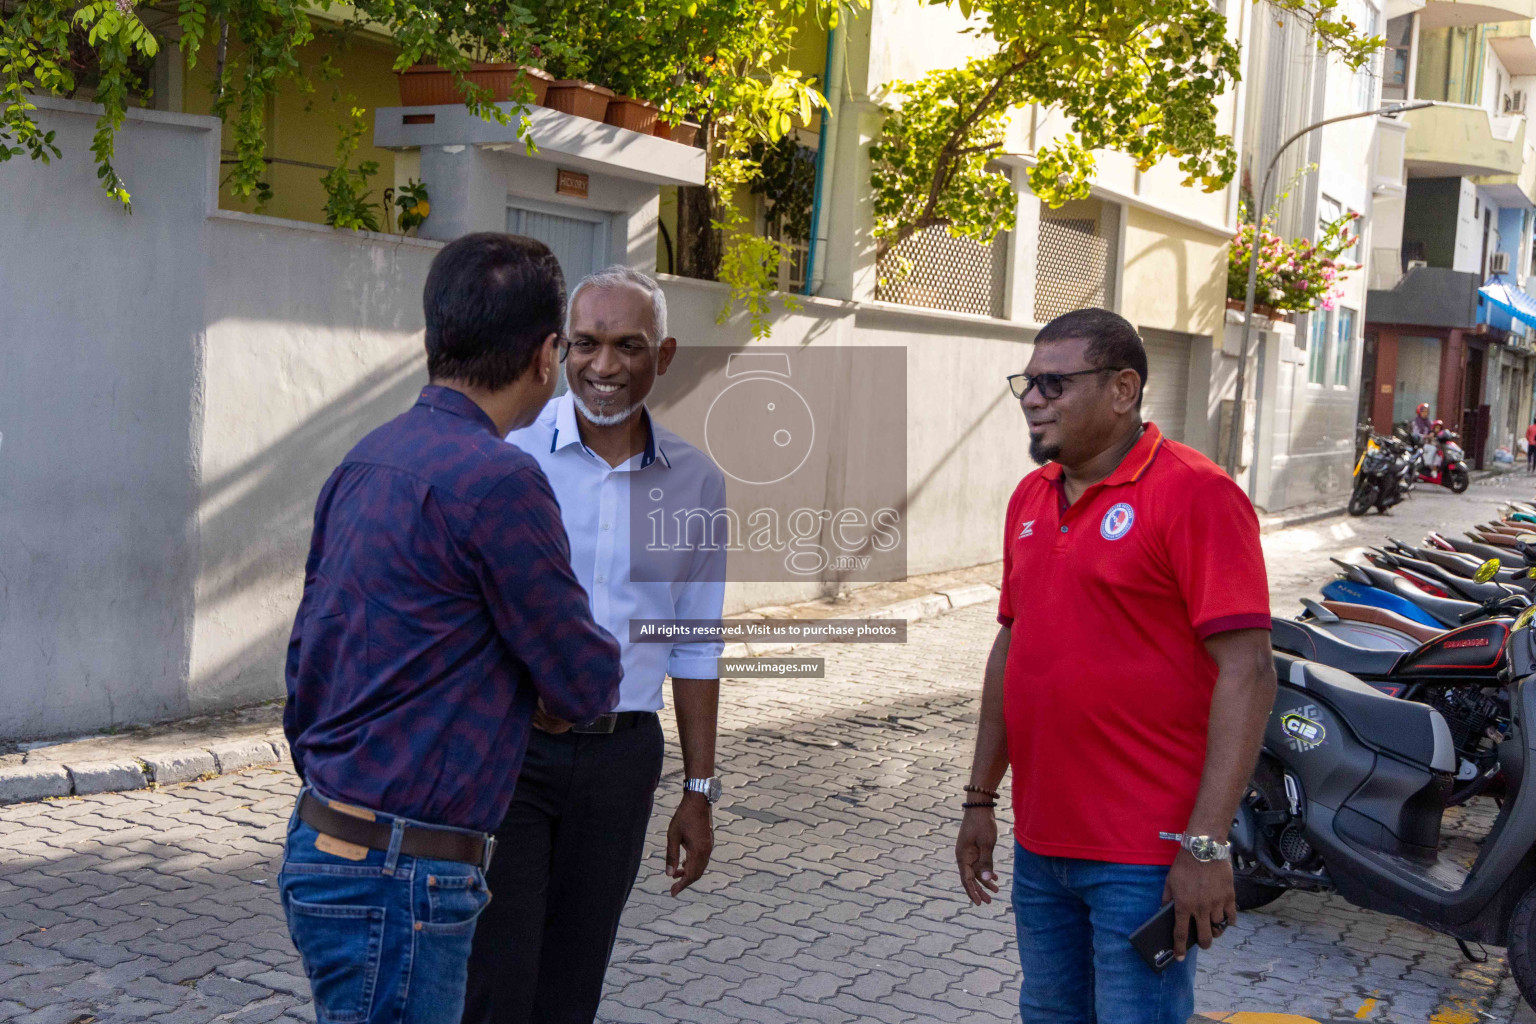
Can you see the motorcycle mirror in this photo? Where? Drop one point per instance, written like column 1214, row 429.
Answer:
column 1488, row 570
column 1524, row 618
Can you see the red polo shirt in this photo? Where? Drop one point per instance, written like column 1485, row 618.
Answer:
column 1107, row 689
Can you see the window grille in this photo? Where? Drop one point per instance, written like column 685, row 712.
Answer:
column 957, row 274
column 1074, row 262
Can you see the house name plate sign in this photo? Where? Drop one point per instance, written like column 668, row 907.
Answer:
column 570, row 183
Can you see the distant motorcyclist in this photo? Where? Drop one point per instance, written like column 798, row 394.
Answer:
column 1422, row 427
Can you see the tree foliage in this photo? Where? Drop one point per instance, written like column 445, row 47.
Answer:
column 722, row 63
column 1140, row 78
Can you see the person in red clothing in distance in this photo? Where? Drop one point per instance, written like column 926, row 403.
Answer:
column 1530, row 448
column 1128, row 688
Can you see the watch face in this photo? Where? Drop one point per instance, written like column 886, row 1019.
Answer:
column 713, row 793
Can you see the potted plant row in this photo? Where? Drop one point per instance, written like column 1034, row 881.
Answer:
column 425, row 85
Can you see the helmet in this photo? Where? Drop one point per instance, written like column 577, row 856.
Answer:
column 1437, row 425
column 1423, row 409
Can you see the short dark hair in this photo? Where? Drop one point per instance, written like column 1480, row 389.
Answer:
column 1112, row 341
column 490, row 301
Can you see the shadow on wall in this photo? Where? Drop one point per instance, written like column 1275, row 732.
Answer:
column 256, row 524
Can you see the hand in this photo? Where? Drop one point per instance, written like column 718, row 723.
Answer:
column 973, row 854
column 1203, row 892
column 692, row 833
column 546, row 722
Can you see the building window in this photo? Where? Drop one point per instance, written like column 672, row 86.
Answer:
column 1317, row 346
column 1394, row 83
column 1343, row 345
column 794, row 250
column 1370, row 71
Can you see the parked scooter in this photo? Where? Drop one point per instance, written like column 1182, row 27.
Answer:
column 1381, row 475
column 1457, row 673
column 1349, row 796
column 1363, row 584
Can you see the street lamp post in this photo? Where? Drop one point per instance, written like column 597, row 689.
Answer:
column 1235, row 435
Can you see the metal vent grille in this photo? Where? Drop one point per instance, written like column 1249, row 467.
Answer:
column 1073, row 262
column 950, row 273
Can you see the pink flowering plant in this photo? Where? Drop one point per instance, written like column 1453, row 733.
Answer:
column 1300, row 275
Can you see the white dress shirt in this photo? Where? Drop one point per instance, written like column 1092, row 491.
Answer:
column 595, row 505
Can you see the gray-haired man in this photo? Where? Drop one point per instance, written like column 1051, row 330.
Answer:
column 570, row 846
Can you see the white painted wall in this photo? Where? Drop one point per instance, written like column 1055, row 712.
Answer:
column 180, row 383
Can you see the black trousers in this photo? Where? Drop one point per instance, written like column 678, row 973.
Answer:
column 566, row 858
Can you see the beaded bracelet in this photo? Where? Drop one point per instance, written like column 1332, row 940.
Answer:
column 968, row 804
column 982, row 790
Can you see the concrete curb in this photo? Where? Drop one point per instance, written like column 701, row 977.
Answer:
column 46, row 780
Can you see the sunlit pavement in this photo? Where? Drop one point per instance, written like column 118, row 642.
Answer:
column 831, row 896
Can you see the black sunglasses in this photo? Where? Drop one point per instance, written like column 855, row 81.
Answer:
column 1050, row 384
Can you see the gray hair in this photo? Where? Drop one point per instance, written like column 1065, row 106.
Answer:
column 618, row 276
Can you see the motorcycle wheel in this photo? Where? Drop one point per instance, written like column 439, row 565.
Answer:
column 1522, row 945
column 1460, row 479
column 1363, row 498
column 1266, row 792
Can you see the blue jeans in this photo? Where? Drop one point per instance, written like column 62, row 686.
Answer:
column 385, row 938
column 1075, row 919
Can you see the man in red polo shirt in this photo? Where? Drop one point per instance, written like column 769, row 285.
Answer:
column 1128, row 687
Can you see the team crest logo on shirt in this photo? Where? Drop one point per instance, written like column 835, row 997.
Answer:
column 1028, row 531
column 1117, row 522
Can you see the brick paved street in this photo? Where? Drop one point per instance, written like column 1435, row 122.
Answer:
column 831, row 897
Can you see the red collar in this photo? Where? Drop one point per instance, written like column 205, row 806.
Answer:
column 1131, row 468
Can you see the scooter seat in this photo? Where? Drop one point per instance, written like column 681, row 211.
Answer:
column 1410, row 730
column 1382, row 617
column 1316, row 644
column 1447, row 610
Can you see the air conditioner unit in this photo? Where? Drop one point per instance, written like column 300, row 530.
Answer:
column 1417, row 265
column 1514, row 102
column 1498, row 263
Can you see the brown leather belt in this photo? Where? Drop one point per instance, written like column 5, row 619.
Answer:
column 417, row 840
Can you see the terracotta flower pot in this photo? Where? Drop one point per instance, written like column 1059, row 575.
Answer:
column 583, row 99
column 685, row 133
column 1266, row 311
column 428, row 85
column 635, row 115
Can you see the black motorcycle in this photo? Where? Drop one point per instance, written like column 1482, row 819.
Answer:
column 1382, row 476
column 1457, row 674
column 1349, row 795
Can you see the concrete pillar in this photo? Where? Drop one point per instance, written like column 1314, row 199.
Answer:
column 468, row 189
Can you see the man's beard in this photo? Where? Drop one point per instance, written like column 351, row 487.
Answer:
column 1042, row 452
column 611, row 419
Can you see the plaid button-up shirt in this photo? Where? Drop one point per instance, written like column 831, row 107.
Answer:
column 439, row 605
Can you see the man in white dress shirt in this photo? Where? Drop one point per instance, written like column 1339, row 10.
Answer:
column 570, row 847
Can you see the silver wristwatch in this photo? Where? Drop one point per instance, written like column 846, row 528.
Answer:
column 1205, row 849
column 708, row 788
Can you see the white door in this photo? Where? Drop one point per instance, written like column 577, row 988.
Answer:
column 1167, row 393
column 578, row 239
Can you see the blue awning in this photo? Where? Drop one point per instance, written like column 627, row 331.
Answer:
column 1505, row 294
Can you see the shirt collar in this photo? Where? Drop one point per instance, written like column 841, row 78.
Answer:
column 568, row 433
column 457, row 403
column 1131, row 469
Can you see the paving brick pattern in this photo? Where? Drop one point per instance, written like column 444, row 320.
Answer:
column 831, row 897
